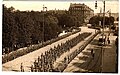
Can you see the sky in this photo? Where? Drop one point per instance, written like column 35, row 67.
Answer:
column 61, row 5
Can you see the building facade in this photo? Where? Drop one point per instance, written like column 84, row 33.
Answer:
column 82, row 12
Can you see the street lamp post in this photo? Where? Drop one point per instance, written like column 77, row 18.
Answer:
column 102, row 31
column 103, row 34
column 109, row 21
column 43, row 20
column 103, row 16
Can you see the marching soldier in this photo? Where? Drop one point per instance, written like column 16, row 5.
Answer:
column 35, row 66
column 38, row 59
column 21, row 67
column 32, row 69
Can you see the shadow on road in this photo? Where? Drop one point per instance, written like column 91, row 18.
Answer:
column 90, row 64
column 94, row 42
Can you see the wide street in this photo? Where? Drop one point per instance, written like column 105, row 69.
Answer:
column 104, row 59
column 29, row 58
column 64, row 37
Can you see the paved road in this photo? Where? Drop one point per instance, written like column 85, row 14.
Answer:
column 29, row 58
column 84, row 61
column 102, row 62
column 59, row 64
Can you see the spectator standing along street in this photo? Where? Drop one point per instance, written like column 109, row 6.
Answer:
column 92, row 53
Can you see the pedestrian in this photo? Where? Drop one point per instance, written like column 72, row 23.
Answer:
column 108, row 40
column 104, row 40
column 92, row 53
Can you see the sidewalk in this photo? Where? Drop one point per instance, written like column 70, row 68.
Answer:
column 109, row 57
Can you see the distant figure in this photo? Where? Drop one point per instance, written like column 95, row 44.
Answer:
column 109, row 34
column 108, row 40
column 31, row 68
column 65, row 60
column 38, row 59
column 116, row 43
column 105, row 40
column 68, row 59
column 95, row 31
column 21, row 68
column 92, row 53
column 35, row 65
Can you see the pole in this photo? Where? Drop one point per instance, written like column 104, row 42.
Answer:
column 43, row 23
column 43, row 20
column 103, row 16
column 102, row 53
column 110, row 21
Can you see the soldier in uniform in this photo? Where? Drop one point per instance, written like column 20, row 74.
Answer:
column 35, row 65
column 21, row 67
column 38, row 59
column 32, row 69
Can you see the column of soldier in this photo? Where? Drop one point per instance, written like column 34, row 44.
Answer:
column 70, row 57
column 45, row 62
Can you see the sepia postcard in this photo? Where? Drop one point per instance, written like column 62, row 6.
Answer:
column 67, row 36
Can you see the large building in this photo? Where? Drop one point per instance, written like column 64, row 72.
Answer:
column 82, row 12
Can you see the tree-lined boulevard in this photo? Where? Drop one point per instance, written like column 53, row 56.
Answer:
column 73, row 40
column 28, row 59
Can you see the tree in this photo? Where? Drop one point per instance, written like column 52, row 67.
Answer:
column 95, row 20
column 66, row 20
column 51, row 27
column 9, row 28
column 22, row 27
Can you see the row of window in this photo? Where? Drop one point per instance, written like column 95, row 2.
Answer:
column 85, row 12
column 87, row 9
